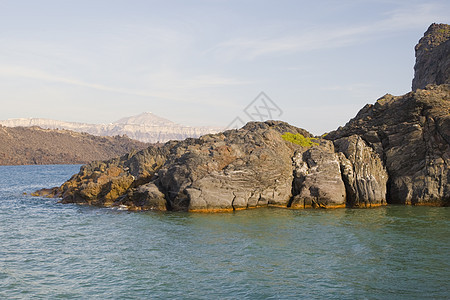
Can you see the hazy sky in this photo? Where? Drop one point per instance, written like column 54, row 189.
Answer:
column 202, row 62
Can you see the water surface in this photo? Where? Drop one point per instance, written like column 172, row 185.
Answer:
column 55, row 251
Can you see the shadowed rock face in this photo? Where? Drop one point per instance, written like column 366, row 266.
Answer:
column 432, row 57
column 411, row 133
column 237, row 169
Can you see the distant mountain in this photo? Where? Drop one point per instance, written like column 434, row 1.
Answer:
column 146, row 127
column 34, row 145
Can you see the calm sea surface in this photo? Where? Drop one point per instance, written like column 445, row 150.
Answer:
column 54, row 251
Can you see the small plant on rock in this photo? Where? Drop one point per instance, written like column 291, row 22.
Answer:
column 299, row 139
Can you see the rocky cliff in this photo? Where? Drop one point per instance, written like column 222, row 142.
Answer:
column 25, row 146
column 432, row 57
column 411, row 134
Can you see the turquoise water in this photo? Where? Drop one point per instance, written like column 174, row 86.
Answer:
column 54, row 251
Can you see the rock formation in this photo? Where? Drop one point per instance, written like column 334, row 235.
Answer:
column 237, row 169
column 411, row 133
column 432, row 57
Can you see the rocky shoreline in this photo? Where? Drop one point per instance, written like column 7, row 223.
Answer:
column 396, row 151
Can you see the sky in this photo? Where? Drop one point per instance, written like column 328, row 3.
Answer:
column 206, row 62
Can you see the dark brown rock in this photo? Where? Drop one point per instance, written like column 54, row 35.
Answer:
column 144, row 197
column 102, row 183
column 48, row 193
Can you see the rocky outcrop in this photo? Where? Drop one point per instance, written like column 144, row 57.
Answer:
column 237, row 169
column 433, row 57
column 30, row 146
column 411, row 134
column 103, row 183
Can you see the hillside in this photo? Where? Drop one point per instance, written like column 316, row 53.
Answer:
column 34, row 145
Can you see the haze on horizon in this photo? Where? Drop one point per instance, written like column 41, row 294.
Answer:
column 200, row 63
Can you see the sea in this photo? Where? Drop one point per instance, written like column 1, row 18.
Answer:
column 50, row 250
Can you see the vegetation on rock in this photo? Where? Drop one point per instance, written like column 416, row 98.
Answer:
column 299, row 139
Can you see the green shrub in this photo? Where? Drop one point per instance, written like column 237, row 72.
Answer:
column 299, row 139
